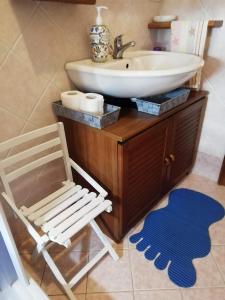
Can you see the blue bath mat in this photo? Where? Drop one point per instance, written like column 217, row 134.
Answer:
column 175, row 235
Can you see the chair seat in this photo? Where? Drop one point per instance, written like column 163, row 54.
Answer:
column 66, row 211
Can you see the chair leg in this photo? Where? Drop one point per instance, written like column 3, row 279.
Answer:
column 104, row 240
column 58, row 274
column 37, row 251
column 35, row 254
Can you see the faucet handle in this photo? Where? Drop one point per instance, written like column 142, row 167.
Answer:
column 118, row 42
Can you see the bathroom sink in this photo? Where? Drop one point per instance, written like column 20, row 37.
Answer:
column 139, row 73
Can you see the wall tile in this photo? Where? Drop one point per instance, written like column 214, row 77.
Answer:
column 14, row 17
column 44, row 45
column 10, row 125
column 212, row 140
column 43, row 114
column 189, row 10
column 3, row 51
column 208, row 166
column 18, row 91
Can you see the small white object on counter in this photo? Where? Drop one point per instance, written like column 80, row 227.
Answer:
column 72, row 99
column 92, row 103
column 168, row 18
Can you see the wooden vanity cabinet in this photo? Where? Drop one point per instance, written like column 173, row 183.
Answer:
column 74, row 1
column 139, row 158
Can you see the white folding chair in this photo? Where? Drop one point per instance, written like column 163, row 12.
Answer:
column 61, row 214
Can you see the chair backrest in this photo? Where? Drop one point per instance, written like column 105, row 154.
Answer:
column 8, row 176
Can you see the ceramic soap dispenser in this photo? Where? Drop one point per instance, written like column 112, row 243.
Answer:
column 100, row 38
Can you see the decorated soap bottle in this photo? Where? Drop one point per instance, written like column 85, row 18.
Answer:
column 100, row 38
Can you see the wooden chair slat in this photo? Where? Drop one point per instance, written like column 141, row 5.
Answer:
column 28, row 211
column 59, row 208
column 74, row 218
column 43, row 210
column 67, row 212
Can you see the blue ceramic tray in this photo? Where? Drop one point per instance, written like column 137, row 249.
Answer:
column 110, row 116
column 156, row 105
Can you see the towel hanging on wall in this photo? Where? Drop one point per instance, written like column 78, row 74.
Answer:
column 190, row 37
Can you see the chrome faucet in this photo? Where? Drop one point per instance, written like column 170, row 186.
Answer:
column 119, row 48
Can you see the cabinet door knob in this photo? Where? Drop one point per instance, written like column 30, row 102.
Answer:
column 166, row 161
column 172, row 157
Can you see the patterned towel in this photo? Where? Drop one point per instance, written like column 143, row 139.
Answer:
column 190, row 37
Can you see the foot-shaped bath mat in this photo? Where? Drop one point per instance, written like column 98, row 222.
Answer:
column 175, row 235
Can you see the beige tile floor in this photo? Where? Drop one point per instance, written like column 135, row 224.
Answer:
column 133, row 277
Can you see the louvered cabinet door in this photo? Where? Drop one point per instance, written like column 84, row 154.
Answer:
column 186, row 130
column 143, row 171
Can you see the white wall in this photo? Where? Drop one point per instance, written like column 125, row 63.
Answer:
column 7, row 271
column 212, row 143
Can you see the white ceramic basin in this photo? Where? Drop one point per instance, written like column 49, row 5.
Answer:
column 139, row 73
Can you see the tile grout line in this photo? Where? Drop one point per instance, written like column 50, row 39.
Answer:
column 42, row 277
column 38, row 100
column 181, row 294
column 53, row 22
column 12, row 114
column 205, row 10
column 9, row 52
column 44, row 90
column 57, row 68
column 218, row 268
column 207, row 80
column 178, row 289
column 113, row 291
column 109, row 292
column 131, row 273
column 87, row 275
column 88, row 258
